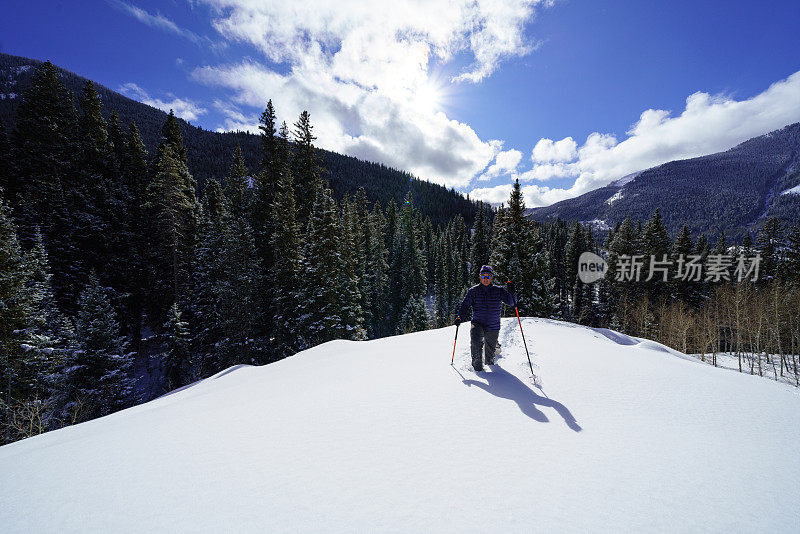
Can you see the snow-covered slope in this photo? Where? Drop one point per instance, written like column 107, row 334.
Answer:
column 625, row 436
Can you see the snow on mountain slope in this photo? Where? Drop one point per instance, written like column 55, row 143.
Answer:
column 626, row 435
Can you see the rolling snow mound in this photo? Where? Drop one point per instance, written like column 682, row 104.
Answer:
column 625, row 435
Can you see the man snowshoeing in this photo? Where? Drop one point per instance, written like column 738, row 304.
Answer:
column 486, row 300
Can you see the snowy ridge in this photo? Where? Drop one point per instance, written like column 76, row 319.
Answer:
column 626, row 435
column 792, row 191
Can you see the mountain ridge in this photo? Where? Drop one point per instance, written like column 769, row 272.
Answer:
column 734, row 191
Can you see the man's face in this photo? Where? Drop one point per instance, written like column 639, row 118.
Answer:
column 486, row 279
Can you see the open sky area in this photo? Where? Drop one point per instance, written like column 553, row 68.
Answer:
column 565, row 95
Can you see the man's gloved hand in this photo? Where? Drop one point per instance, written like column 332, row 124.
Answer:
column 458, row 321
column 510, row 287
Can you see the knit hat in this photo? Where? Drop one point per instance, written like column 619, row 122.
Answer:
column 487, row 269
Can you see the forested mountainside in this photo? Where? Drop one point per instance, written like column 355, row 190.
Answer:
column 730, row 191
column 209, row 153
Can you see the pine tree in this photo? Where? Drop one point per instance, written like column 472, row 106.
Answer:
column 263, row 220
column 480, row 245
column 269, row 145
column 285, row 245
column 349, row 294
column 236, row 296
column 176, row 357
column 305, row 166
column 682, row 248
column 16, row 308
column 172, row 209
column 656, row 247
column 215, row 204
column 117, row 137
column 45, row 151
column 49, row 335
column 376, row 275
column 100, row 204
column 574, row 248
column 7, row 186
column 321, row 317
column 172, row 137
column 769, row 244
column 792, row 258
column 97, row 372
column 236, row 184
column 408, row 268
column 134, row 171
column 413, row 316
column 202, row 305
column 722, row 244
column 518, row 254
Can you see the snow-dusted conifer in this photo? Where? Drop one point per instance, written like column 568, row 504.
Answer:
column 97, row 372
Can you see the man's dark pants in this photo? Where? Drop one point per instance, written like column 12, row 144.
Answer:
column 478, row 336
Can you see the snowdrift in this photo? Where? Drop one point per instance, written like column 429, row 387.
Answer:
column 386, row 435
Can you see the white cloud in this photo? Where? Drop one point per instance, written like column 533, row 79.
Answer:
column 505, row 162
column 156, row 21
column 534, row 195
column 547, row 171
column 183, row 108
column 366, row 73
column 547, row 150
column 708, row 124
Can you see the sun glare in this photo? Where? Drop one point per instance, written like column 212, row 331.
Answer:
column 428, row 96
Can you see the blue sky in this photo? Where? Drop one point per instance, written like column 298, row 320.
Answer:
column 565, row 95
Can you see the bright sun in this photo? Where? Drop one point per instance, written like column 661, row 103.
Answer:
column 428, row 96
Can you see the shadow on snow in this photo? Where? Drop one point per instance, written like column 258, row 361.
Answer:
column 504, row 385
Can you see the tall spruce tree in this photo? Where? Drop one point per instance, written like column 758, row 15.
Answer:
column 576, row 245
column 134, row 171
column 408, row 268
column 16, row 308
column 6, row 176
column 236, row 184
column 792, row 258
column 172, row 137
column 480, row 243
column 685, row 290
column 657, row 248
column 172, row 208
column 285, row 244
column 518, row 254
column 321, row 266
column 97, row 373
column 265, row 182
column 769, row 244
column 45, row 151
column 306, row 168
column 49, row 335
column 376, row 275
column 237, row 296
column 176, row 364
column 116, row 135
column 349, row 293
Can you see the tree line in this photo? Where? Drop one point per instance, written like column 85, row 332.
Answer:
column 754, row 318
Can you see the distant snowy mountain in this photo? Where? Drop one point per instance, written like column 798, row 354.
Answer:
column 735, row 190
column 625, row 436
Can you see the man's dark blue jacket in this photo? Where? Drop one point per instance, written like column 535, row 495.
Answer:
column 486, row 303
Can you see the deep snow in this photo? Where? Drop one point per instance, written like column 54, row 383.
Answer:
column 626, row 435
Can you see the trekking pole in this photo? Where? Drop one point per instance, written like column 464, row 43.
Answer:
column 454, row 347
column 533, row 375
